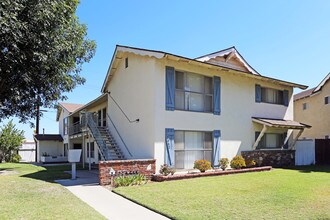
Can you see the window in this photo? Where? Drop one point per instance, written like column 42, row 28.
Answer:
column 193, row 92
column 65, row 125
column 305, row 106
column 126, row 62
column 326, row 136
column 326, row 100
column 273, row 96
column 90, row 151
column 190, row 146
column 271, row 140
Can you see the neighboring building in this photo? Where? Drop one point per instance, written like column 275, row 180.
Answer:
column 50, row 148
column 313, row 107
column 27, row 151
column 177, row 110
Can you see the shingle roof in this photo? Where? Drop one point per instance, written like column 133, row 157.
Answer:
column 313, row 90
column 48, row 137
column 303, row 94
column 71, row 107
column 281, row 123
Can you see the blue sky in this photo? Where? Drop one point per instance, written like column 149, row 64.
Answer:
column 288, row 40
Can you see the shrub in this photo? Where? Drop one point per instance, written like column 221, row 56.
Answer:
column 130, row 180
column 250, row 163
column 202, row 165
column 166, row 170
column 223, row 163
column 237, row 162
column 15, row 158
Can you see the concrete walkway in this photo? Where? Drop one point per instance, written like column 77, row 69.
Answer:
column 109, row 204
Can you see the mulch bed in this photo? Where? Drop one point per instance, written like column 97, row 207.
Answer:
column 161, row 178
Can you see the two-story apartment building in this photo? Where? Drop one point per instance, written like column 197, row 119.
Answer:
column 177, row 110
column 313, row 107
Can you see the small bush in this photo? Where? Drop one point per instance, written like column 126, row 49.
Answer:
column 250, row 163
column 131, row 180
column 166, row 170
column 202, row 165
column 15, row 158
column 223, row 163
column 237, row 162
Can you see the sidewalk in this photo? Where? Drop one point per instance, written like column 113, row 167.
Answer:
column 109, row 204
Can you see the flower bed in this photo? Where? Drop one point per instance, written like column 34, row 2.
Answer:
column 161, row 178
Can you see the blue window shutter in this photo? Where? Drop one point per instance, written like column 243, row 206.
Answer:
column 286, row 97
column 216, row 95
column 258, row 93
column 170, row 88
column 169, row 146
column 216, row 148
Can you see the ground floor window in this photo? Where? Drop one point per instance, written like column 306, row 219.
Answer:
column 90, row 150
column 190, row 146
column 271, row 140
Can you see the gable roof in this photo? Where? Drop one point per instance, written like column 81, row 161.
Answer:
column 70, row 107
column 227, row 54
column 117, row 57
column 48, row 137
column 314, row 90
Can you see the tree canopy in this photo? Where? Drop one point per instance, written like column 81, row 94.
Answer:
column 10, row 140
column 42, row 48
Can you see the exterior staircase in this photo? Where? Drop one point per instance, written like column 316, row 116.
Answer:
column 108, row 147
column 114, row 152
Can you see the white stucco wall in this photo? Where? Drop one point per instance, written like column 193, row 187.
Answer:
column 140, row 91
column 133, row 89
column 53, row 148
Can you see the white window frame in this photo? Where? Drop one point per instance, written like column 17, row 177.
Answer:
column 187, row 93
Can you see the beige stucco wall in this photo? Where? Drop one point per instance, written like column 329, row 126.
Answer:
column 140, row 91
column 317, row 114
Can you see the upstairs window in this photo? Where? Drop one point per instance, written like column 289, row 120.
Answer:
column 193, row 92
column 273, row 96
column 326, row 100
column 305, row 106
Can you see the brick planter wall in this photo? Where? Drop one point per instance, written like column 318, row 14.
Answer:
column 145, row 167
column 274, row 158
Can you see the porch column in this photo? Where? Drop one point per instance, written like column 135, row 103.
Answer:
column 83, row 148
column 263, row 131
column 295, row 140
column 89, row 152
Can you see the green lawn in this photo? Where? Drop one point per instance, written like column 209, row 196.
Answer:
column 277, row 194
column 32, row 194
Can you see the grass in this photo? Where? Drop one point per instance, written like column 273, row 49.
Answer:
column 277, row 194
column 32, row 194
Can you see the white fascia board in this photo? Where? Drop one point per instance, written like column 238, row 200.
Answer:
column 226, row 52
column 318, row 88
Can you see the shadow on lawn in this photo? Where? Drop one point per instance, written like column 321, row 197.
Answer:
column 51, row 173
column 311, row 168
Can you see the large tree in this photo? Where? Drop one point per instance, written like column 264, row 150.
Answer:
column 42, row 48
column 10, row 140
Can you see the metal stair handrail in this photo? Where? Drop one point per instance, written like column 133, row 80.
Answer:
column 122, row 140
column 91, row 124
